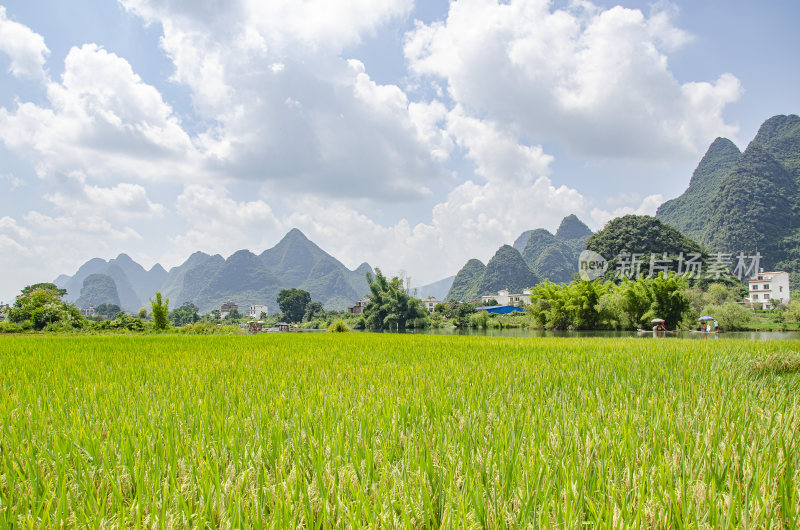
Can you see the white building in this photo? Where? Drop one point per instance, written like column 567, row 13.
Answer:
column 256, row 310
column 429, row 303
column 504, row 297
column 768, row 286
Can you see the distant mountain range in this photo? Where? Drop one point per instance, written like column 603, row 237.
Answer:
column 536, row 255
column 437, row 290
column 208, row 281
column 747, row 201
column 736, row 202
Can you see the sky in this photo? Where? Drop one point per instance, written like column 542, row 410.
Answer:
column 410, row 135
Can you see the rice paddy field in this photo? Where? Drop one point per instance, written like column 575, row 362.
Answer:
column 397, row 431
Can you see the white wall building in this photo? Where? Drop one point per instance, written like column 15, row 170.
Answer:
column 429, row 303
column 256, row 310
column 768, row 286
column 504, row 297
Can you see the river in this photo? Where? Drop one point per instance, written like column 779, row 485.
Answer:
column 517, row 332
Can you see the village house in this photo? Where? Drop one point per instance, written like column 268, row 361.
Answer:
column 256, row 310
column 226, row 308
column 358, row 308
column 504, row 297
column 429, row 303
column 769, row 288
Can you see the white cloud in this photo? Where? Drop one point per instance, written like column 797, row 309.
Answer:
column 121, row 201
column 10, row 228
column 277, row 24
column 103, row 122
column 648, row 206
column 220, row 224
column 76, row 232
column 473, row 221
column 596, row 80
column 39, row 246
column 14, row 182
column 24, row 47
column 279, row 104
column 287, row 106
column 497, row 154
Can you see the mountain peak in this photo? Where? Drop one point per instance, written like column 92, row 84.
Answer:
column 720, row 157
column 691, row 211
column 363, row 268
column 239, row 254
column 465, row 285
column 776, row 127
column 294, row 234
column 523, row 238
column 507, row 270
column 572, row 228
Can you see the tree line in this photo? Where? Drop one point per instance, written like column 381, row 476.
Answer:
column 579, row 305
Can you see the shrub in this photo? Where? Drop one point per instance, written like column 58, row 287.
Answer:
column 12, row 327
column 338, row 326
column 479, row 319
column 730, row 315
column 793, row 311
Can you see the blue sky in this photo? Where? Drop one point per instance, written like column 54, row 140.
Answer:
column 411, row 135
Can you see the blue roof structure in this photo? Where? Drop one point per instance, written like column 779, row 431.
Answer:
column 500, row 309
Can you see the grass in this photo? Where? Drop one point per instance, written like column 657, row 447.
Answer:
column 353, row 430
column 766, row 321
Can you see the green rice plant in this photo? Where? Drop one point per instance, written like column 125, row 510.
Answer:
column 355, row 430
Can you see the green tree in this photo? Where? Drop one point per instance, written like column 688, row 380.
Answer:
column 660, row 297
column 576, row 305
column 548, row 306
column 293, row 303
column 313, row 309
column 185, row 314
column 669, row 300
column 730, row 315
column 160, row 311
column 108, row 311
column 718, row 294
column 390, row 307
column 41, row 305
column 50, row 287
column 480, row 319
column 793, row 311
column 462, row 313
column 233, row 315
